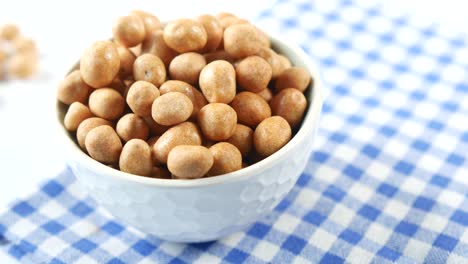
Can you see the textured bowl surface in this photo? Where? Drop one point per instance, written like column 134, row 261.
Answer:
column 209, row 208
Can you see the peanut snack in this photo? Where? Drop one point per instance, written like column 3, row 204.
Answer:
column 193, row 98
column 19, row 56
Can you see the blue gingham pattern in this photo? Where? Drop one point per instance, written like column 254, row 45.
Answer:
column 388, row 181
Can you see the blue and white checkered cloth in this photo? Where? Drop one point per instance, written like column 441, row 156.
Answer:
column 388, row 181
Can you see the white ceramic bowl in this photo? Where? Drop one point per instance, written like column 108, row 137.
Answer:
column 208, row 208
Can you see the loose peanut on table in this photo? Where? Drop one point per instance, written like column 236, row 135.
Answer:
column 21, row 66
column 9, row 31
column 194, row 98
column 25, row 45
column 19, row 56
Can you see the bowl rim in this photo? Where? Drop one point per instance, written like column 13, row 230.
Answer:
column 306, row 130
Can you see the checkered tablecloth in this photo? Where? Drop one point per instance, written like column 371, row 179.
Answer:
column 388, row 181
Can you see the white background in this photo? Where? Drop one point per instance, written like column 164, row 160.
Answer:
column 29, row 150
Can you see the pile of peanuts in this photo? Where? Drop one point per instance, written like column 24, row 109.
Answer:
column 193, row 98
column 18, row 54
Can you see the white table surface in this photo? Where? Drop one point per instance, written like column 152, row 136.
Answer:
column 29, row 151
